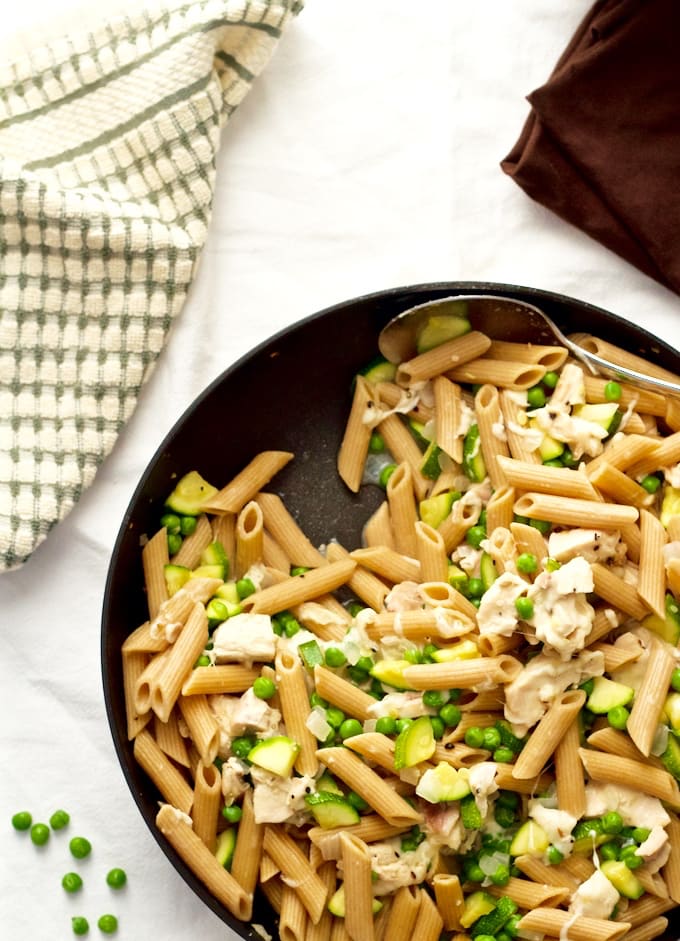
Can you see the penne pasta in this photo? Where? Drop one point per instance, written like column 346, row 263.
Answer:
column 649, row 700
column 403, row 514
column 206, row 806
column 295, row 707
column 444, row 357
column 249, row 534
column 288, row 535
column 378, row 528
column 462, row 674
column 491, row 433
column 555, row 481
column 559, row 717
column 154, row 559
column 245, row 865
column 169, row 781
column 449, row 427
column 506, row 375
column 552, row 357
column 296, row 870
column 356, row 867
column 569, row 511
column 299, row 588
column 248, row 482
column 356, row 439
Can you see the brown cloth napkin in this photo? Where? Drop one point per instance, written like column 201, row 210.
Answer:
column 601, row 147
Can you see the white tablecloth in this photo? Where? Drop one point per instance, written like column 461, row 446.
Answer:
column 365, row 157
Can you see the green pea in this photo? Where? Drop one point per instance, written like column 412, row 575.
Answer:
column 22, row 820
column 527, row 563
column 386, row 725
column 504, row 816
column 550, row 379
column 475, row 587
column 501, row 876
column 217, row 610
column 349, row 728
column 512, row 925
column 298, row 569
column 543, row 526
column 612, row 391
column 291, row 627
column 630, row 859
column 187, row 525
column 174, row 543
column 618, row 717
column 508, row 799
column 552, row 565
column 474, row 737
column 640, row 834
column 59, row 820
column 171, row 522
column 316, row 700
column 356, row 800
column 434, row 698
column 242, row 745
column 412, row 655
column 385, row 474
column 675, row 681
column 475, row 536
column 232, row 813
column 535, row 397
column 72, row 882
column 502, row 936
column 354, row 607
column 428, row 652
column 450, row 715
column 503, row 755
column 650, row 483
column 203, row 661
column 80, row 847
column 116, row 878
column 609, row 850
column 568, row 459
column 40, row 833
column 474, row 872
column 403, row 724
column 80, row 925
column 553, row 462
column 244, row 588
column 334, row 657
column 264, row 687
column 588, row 686
column 108, row 924
column 490, row 937
column 364, row 663
column 438, row 727
column 554, row 855
column 525, row 608
column 612, row 822
column 492, row 739
column 376, row 444
column 335, row 717
column 455, row 694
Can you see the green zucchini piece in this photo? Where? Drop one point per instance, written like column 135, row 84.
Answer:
column 508, row 737
column 470, row 815
column 175, row 577
column 311, row 654
column 414, row 744
column 225, row 846
column 331, row 810
column 191, row 492
column 434, row 510
column 457, row 577
column 215, row 554
column 487, row 570
column 475, row 906
column 463, row 650
column 672, row 710
column 530, row 840
column 473, row 460
column 668, row 627
column 494, row 921
column 440, row 328
column 607, row 694
column 430, row 467
column 671, row 756
column 391, row 673
column 228, row 593
column 670, row 505
column 379, row 370
column 602, row 413
column 328, row 784
column 444, row 783
column 423, row 440
column 337, row 905
column 208, row 571
column 275, row 754
column 622, row 878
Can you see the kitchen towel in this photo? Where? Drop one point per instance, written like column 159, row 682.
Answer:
column 108, row 142
column 601, row 146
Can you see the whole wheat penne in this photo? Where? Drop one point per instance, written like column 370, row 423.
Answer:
column 249, row 537
column 387, row 563
column 643, row 910
column 493, row 645
column 403, row 513
column 203, row 863
column 207, row 801
column 404, row 914
column 449, row 429
column 559, row 716
column 536, row 870
column 617, row 592
column 430, row 922
column 321, row 620
column 343, row 694
column 618, row 486
column 223, row 531
column 571, row 792
column 173, row 613
column 169, row 781
column 623, row 451
column 650, row 696
column 615, row 657
column 374, row 790
column 579, row 866
column 407, row 401
column 507, row 375
column 617, row 770
column 444, row 357
column 430, row 552
column 491, row 432
column 169, row 739
column 299, row 588
column 378, row 749
column 605, row 621
column 362, row 583
column 321, row 931
column 552, row 357
column 202, row 724
column 645, row 400
column 672, row 413
column 617, row 743
column 279, row 522
column 569, row 511
column 371, row 828
column 134, row 665
column 295, row 707
column 293, row 919
column 507, row 782
column 523, row 442
column 221, row 678
column 615, row 354
column 665, row 454
column 248, row 852
column 273, row 555
column 530, row 895
column 356, row 867
column 296, row 870
column 357, row 436
column 500, row 545
column 141, row 641
column 449, row 898
column 190, row 551
column 499, row 510
column 248, row 482
column 272, row 889
column 671, row 871
column 154, row 559
column 528, row 539
column 464, row 514
column 378, row 528
column 462, row 674
column 538, row 478
column 673, row 576
column 652, row 575
column 402, row 446
column 652, row 929
column 555, row 922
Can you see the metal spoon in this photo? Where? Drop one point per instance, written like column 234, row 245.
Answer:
column 503, row 318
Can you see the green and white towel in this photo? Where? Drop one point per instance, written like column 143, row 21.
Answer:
column 107, row 170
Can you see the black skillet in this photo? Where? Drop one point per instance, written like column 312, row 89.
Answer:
column 291, row 393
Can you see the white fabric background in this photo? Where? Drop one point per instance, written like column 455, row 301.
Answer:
column 365, row 157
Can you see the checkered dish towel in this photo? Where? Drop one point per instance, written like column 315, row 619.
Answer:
column 107, row 170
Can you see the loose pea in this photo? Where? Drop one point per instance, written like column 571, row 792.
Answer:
column 72, row 882
column 385, row 474
column 612, row 822
column 552, row 565
column 554, row 855
column 413, row 655
column 450, row 715
column 527, row 563
column 675, row 679
column 386, row 725
column 503, row 755
column 108, row 924
column 508, row 799
column 244, row 588
column 474, row 737
column 187, row 525
column 512, row 925
column 80, row 925
column 475, row 536
column 504, row 816
column 433, row 698
column 650, row 483
column 553, row 462
column 356, row 801
column 334, row 657
column 357, row 675
column 525, row 608
column 349, row 728
column 80, row 847
column 22, row 820
column 354, row 607
column 618, row 717
column 428, row 652
column 403, row 724
column 475, row 587
column 543, row 526
column 232, row 813
column 242, row 745
column 203, row 660
column 550, row 379
column 335, row 717
column 492, row 739
column 364, row 663
column 298, row 569
column 455, row 694
column 174, row 543
column 291, row 627
column 588, row 686
column 631, row 860
column 40, row 833
column 535, row 397
column 116, row 878
column 609, row 850
column 490, row 937
column 568, row 459
column 474, row 872
column 438, row 727
column 502, row 936
column 640, row 834
column 376, row 443
column 612, row 392
column 59, row 820
column 501, row 876
column 171, row 522
column 476, row 602
column 264, row 687
column 316, row 700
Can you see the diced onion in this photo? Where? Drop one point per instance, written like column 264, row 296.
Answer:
column 317, row 724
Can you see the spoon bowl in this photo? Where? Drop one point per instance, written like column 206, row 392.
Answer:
column 505, row 318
